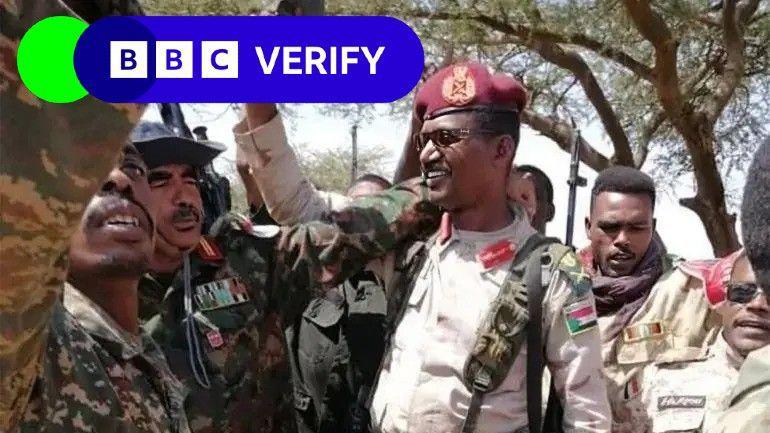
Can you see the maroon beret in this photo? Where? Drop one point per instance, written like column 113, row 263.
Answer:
column 468, row 86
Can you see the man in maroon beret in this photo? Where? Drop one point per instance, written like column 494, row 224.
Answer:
column 457, row 359
column 457, row 316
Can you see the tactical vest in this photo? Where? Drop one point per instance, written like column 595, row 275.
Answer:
column 505, row 326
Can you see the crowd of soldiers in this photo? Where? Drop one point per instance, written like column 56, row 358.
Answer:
column 435, row 305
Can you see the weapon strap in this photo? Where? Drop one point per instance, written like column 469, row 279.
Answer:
column 536, row 281
column 482, row 380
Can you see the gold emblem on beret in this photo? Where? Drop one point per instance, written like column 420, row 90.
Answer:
column 459, row 88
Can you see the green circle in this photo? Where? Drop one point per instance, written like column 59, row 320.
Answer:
column 46, row 59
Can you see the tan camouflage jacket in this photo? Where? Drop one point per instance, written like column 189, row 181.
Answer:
column 53, row 367
column 676, row 316
column 686, row 390
column 749, row 410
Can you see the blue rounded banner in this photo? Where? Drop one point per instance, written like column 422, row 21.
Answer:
column 249, row 59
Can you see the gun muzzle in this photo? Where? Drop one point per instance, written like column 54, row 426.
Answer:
column 200, row 133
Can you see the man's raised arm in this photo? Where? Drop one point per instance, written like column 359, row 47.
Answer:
column 53, row 157
column 320, row 255
column 289, row 196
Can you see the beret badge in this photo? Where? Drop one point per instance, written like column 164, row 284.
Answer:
column 459, row 88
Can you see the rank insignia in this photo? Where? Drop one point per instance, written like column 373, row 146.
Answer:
column 208, row 250
column 497, row 254
column 459, row 88
column 220, row 294
column 643, row 331
column 580, row 316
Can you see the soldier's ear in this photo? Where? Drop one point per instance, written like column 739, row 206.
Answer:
column 550, row 212
column 654, row 224
column 588, row 227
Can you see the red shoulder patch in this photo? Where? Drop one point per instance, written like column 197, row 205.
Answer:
column 208, row 249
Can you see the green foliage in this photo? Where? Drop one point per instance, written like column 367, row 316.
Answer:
column 329, row 169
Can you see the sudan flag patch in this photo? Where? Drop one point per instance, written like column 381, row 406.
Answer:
column 580, row 316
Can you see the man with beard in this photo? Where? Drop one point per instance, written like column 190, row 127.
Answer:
column 688, row 390
column 217, row 304
column 646, row 305
column 456, row 319
column 749, row 410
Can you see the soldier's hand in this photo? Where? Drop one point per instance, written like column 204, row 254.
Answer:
column 259, row 114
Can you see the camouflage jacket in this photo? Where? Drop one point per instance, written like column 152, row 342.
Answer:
column 248, row 282
column 84, row 342
column 54, row 367
column 749, row 410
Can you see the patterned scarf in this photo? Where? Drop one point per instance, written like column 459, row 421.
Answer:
column 623, row 296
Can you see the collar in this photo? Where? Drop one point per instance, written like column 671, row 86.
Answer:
column 99, row 324
column 721, row 348
column 754, row 373
column 519, row 230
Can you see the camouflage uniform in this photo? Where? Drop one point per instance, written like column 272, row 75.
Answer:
column 749, row 409
column 687, row 390
column 677, row 315
column 65, row 365
column 247, row 283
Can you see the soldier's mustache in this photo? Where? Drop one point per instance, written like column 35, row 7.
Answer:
column 186, row 213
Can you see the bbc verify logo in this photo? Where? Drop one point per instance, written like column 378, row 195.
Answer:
column 174, row 59
column 249, row 59
column 219, row 59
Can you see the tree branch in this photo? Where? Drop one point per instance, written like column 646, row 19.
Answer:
column 574, row 63
column 524, row 33
column 653, row 28
column 561, row 133
column 734, row 18
column 640, row 156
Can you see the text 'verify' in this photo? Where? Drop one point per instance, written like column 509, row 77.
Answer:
column 249, row 59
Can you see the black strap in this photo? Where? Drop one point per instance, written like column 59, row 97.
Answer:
column 474, row 409
column 535, row 288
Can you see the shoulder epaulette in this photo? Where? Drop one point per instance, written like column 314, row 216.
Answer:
column 208, row 249
column 573, row 269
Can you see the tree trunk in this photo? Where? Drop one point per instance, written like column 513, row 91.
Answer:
column 709, row 201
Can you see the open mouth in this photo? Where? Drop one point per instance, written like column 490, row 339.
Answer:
column 621, row 257
column 755, row 324
column 122, row 220
column 435, row 174
column 186, row 224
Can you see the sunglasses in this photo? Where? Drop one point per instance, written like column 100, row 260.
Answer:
column 742, row 293
column 447, row 137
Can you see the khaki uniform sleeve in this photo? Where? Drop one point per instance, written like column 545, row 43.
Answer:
column 289, row 196
column 575, row 361
column 52, row 159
